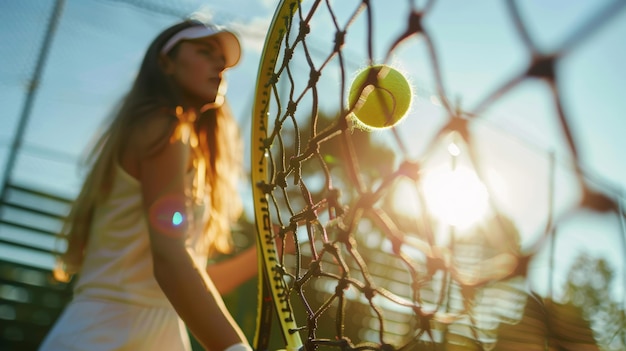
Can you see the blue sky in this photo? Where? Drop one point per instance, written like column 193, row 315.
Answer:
column 99, row 44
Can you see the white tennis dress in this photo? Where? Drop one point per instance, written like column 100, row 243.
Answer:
column 117, row 303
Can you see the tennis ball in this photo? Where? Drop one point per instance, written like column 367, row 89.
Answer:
column 385, row 99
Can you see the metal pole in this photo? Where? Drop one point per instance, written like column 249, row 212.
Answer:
column 30, row 98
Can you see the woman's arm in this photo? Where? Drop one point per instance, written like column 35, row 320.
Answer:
column 189, row 288
column 227, row 275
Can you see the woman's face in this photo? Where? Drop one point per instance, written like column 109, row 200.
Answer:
column 197, row 69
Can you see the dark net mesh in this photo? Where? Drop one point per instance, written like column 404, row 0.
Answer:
column 449, row 229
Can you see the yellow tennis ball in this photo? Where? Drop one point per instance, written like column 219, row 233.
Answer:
column 385, row 99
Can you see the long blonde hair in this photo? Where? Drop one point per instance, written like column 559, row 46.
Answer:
column 219, row 146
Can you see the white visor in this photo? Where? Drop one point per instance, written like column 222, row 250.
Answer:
column 228, row 40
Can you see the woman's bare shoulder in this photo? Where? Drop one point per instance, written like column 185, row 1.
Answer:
column 146, row 136
column 151, row 132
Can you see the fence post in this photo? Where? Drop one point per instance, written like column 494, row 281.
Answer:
column 30, row 97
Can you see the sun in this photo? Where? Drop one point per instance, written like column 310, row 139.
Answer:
column 449, row 191
column 455, row 196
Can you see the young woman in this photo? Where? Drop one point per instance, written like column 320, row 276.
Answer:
column 159, row 198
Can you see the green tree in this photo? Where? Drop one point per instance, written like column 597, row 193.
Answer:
column 589, row 287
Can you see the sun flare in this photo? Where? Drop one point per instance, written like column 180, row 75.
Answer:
column 455, row 196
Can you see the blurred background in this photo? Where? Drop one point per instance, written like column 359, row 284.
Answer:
column 64, row 66
column 66, row 63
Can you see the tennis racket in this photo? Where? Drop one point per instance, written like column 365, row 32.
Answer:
column 438, row 230
column 273, row 290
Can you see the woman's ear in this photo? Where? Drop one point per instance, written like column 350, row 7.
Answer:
column 167, row 64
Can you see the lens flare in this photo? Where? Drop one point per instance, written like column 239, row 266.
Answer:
column 177, row 219
column 167, row 216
